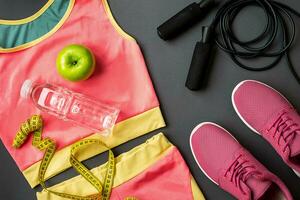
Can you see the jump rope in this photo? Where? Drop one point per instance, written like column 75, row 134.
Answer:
column 280, row 27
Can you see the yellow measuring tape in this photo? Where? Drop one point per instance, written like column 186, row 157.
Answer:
column 35, row 125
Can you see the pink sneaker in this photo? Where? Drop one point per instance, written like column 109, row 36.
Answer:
column 225, row 162
column 265, row 111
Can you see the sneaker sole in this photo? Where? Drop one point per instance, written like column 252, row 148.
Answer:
column 240, row 116
column 193, row 132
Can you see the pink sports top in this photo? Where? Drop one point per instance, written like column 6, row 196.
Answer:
column 28, row 49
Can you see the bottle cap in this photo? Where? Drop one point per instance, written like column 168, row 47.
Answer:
column 26, row 89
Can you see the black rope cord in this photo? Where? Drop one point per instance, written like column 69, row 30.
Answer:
column 278, row 18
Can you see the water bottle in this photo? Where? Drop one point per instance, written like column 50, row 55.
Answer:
column 70, row 106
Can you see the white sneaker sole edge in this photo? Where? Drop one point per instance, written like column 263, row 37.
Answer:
column 193, row 132
column 240, row 116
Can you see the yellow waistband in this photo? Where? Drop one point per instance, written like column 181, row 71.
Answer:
column 145, row 155
column 123, row 132
column 128, row 166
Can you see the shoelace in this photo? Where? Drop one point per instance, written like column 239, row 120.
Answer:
column 240, row 171
column 285, row 128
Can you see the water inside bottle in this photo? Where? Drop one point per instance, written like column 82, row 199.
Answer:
column 75, row 107
column 91, row 113
column 52, row 100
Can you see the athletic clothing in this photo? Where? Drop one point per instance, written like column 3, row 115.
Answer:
column 154, row 170
column 28, row 49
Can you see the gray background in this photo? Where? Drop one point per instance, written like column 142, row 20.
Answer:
column 168, row 65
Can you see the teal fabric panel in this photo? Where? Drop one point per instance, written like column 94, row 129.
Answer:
column 16, row 35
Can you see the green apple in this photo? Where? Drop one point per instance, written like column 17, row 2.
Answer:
column 75, row 63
